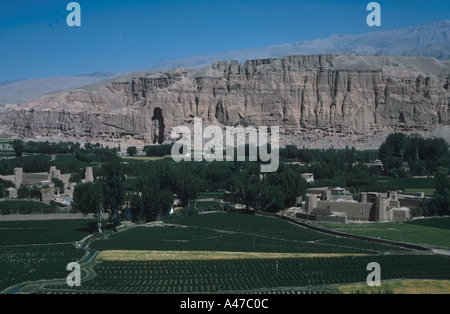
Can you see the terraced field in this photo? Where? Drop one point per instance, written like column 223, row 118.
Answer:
column 237, row 276
column 29, row 263
column 37, row 250
column 43, row 231
column 217, row 253
column 440, row 223
column 234, row 233
column 430, row 231
column 214, row 253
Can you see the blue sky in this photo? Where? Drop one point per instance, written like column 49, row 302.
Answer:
column 130, row 35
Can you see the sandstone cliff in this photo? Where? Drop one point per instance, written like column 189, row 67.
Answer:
column 352, row 97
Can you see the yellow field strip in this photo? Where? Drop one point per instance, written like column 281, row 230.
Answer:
column 401, row 287
column 125, row 256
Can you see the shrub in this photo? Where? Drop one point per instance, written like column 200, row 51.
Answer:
column 59, row 184
column 417, row 211
column 25, row 208
column 132, row 150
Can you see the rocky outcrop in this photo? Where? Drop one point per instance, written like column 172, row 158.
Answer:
column 336, row 94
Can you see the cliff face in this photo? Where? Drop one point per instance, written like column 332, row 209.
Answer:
column 343, row 94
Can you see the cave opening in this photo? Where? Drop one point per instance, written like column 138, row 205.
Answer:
column 157, row 126
column 401, row 118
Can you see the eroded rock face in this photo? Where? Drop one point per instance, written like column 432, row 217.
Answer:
column 337, row 94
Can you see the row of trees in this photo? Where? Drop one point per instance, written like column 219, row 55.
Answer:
column 88, row 153
column 30, row 164
column 104, row 195
column 3, row 186
column 423, row 156
column 439, row 204
column 96, row 153
column 150, row 187
column 273, row 192
column 158, row 150
column 268, row 192
column 336, row 167
column 44, row 147
column 347, row 156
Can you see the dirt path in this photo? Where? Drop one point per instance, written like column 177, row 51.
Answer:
column 87, row 264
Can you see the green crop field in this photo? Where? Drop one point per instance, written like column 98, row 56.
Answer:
column 406, row 183
column 425, row 231
column 269, row 275
column 28, row 263
column 43, row 232
column 256, row 254
column 440, row 223
column 36, row 250
column 234, row 232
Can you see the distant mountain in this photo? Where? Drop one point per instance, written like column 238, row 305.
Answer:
column 9, row 82
column 25, row 90
column 99, row 74
column 318, row 101
column 429, row 40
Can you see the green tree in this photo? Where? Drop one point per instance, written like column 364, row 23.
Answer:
column 290, row 182
column 439, row 204
column 35, row 192
column 59, row 184
column 157, row 203
column 272, row 199
column 18, row 147
column 2, row 190
column 151, row 204
column 293, row 185
column 23, row 192
column 442, row 183
column 422, row 155
column 393, row 146
column 137, row 208
column 132, row 150
column 113, row 190
column 246, row 189
column 187, row 185
column 87, row 199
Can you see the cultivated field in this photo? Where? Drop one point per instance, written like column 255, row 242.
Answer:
column 410, row 185
column 401, row 287
column 233, row 233
column 37, row 250
column 207, row 253
column 251, row 275
column 431, row 231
